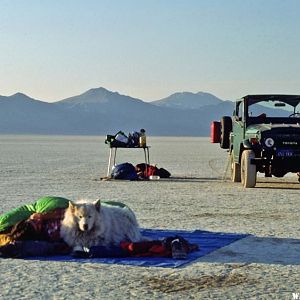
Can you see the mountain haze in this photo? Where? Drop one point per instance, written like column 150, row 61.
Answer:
column 99, row 111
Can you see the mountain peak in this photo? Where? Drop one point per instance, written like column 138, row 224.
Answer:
column 20, row 95
column 97, row 91
column 188, row 100
column 99, row 96
column 19, row 98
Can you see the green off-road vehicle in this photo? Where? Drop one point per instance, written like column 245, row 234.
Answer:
column 263, row 135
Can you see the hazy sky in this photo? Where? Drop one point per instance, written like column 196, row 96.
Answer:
column 149, row 49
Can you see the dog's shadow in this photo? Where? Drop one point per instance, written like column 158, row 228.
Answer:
column 262, row 250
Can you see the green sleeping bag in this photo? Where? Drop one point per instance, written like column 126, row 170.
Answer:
column 42, row 205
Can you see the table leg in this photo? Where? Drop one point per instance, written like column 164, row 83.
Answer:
column 109, row 162
column 146, row 161
column 148, row 156
column 115, row 154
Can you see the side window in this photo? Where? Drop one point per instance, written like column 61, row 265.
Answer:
column 240, row 111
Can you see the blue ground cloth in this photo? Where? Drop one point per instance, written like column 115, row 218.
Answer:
column 206, row 240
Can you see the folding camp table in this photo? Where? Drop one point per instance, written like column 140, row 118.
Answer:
column 113, row 154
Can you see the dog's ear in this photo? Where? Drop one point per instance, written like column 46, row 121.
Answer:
column 97, row 204
column 71, row 206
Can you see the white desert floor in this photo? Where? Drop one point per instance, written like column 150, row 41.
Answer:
column 265, row 265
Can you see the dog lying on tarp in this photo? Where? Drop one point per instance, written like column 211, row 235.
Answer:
column 91, row 224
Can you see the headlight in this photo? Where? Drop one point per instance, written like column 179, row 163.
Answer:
column 269, row 142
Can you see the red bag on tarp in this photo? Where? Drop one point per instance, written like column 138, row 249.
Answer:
column 144, row 172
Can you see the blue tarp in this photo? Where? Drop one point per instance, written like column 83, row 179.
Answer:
column 206, row 240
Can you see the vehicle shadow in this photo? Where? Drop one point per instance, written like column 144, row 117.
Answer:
column 282, row 185
column 189, row 179
column 262, row 250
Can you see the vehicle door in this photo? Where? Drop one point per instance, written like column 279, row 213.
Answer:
column 238, row 129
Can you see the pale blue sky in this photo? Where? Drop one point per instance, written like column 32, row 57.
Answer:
column 50, row 50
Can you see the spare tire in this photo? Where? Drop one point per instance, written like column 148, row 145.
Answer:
column 226, row 128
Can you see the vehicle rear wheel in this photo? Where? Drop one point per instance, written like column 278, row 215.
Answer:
column 248, row 170
column 235, row 169
column 226, row 128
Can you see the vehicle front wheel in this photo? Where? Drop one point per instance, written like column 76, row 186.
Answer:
column 248, row 170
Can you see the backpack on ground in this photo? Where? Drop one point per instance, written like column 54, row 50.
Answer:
column 163, row 173
column 124, row 171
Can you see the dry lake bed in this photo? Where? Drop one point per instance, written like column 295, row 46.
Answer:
column 264, row 265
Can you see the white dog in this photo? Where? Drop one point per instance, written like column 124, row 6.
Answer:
column 93, row 224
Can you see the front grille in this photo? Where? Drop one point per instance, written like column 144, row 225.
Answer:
column 283, row 140
column 287, row 141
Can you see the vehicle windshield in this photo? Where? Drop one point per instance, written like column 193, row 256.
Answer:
column 274, row 111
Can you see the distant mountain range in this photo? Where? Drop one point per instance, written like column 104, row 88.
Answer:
column 100, row 111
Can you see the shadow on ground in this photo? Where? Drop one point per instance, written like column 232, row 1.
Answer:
column 261, row 250
column 171, row 179
column 278, row 185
